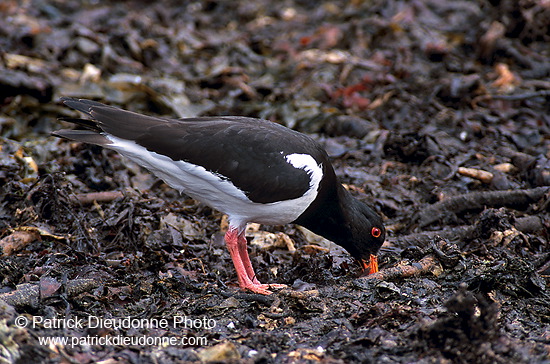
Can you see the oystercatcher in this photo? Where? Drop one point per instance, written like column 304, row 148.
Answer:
column 253, row 170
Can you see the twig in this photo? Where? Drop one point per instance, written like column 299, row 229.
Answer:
column 105, row 196
column 524, row 96
column 425, row 238
column 427, row 264
column 479, row 200
column 527, row 224
column 479, row 174
column 17, row 241
column 300, row 295
column 23, row 236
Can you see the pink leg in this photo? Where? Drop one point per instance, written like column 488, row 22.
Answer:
column 243, row 253
column 236, row 244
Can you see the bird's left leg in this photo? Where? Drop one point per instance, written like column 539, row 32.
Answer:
column 243, row 252
column 236, row 244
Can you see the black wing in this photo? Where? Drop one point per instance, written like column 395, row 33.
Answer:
column 249, row 152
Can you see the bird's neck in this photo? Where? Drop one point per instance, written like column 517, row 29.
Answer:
column 326, row 215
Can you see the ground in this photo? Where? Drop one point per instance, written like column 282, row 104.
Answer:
column 434, row 112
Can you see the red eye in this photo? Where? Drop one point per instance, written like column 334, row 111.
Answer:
column 376, row 232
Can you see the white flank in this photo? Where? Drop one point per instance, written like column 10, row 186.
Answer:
column 220, row 193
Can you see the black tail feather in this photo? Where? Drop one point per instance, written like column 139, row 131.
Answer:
column 85, row 123
column 84, row 136
column 82, row 105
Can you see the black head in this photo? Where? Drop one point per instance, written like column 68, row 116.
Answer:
column 366, row 231
column 349, row 223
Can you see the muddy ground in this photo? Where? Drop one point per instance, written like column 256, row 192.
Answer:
column 435, row 112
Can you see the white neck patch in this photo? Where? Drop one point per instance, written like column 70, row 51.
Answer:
column 308, row 164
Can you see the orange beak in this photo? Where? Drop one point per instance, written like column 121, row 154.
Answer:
column 372, row 265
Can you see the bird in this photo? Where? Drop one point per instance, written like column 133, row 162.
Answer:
column 250, row 169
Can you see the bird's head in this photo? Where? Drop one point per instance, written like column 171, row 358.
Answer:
column 367, row 234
